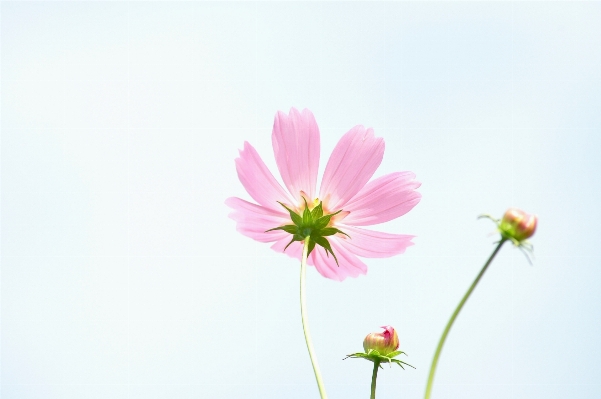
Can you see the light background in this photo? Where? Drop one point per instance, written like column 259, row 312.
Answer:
column 122, row 276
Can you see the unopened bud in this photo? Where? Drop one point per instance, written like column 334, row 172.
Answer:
column 517, row 224
column 384, row 342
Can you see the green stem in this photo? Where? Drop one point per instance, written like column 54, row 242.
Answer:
column 454, row 316
column 374, row 376
column 322, row 390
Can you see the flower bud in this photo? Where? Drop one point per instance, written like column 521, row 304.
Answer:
column 517, row 224
column 384, row 342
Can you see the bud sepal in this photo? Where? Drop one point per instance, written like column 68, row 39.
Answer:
column 374, row 356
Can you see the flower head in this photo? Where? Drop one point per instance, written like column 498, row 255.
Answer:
column 381, row 347
column 517, row 224
column 384, row 342
column 346, row 196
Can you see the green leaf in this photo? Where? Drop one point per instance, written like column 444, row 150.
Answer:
column 296, row 219
column 393, row 354
column 317, row 212
column 289, row 228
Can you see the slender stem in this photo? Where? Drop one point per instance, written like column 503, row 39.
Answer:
column 374, row 376
column 454, row 316
column 322, row 389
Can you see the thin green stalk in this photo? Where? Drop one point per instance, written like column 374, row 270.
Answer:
column 374, row 376
column 322, row 389
column 454, row 316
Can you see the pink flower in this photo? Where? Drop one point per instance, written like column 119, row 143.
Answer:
column 384, row 342
column 345, row 186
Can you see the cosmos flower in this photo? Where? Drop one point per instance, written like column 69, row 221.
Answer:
column 346, row 192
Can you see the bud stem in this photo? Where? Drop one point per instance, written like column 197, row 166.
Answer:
column 322, row 390
column 454, row 316
column 374, row 376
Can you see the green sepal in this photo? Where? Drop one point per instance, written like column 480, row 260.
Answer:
column 373, row 352
column 295, row 237
column 325, row 244
column 287, row 245
column 296, row 218
column 357, row 355
column 394, row 354
column 312, row 224
column 330, row 231
column 311, row 247
column 317, row 212
column 307, row 215
column 375, row 357
column 289, row 228
column 324, row 220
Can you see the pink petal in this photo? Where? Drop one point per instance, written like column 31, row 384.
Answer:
column 374, row 244
column 295, row 141
column 253, row 220
column 352, row 163
column 295, row 250
column 258, row 180
column 383, row 199
column 350, row 265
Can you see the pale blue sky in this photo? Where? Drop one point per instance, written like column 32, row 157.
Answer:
column 122, row 276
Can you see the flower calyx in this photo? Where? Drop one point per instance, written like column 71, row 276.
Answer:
column 312, row 224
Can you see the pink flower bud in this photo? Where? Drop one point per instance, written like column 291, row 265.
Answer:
column 518, row 224
column 384, row 342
